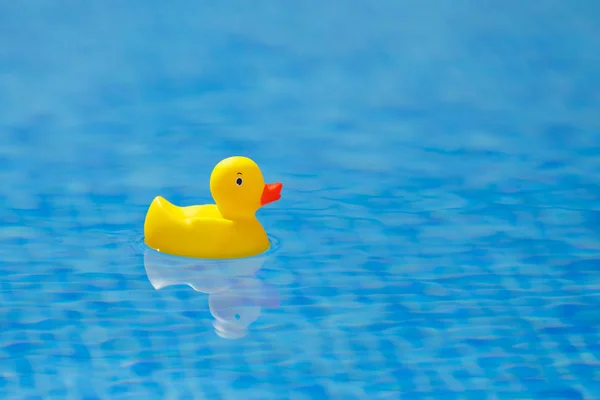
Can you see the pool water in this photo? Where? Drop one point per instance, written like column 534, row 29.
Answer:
column 438, row 234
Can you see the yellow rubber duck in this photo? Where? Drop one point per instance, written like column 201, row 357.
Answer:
column 227, row 229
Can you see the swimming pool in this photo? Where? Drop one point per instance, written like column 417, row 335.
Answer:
column 437, row 236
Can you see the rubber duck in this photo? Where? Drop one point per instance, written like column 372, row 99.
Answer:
column 227, row 229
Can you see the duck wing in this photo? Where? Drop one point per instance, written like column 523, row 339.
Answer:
column 212, row 225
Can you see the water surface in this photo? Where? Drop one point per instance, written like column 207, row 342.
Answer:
column 438, row 231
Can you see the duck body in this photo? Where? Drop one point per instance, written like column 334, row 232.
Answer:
column 201, row 232
column 226, row 229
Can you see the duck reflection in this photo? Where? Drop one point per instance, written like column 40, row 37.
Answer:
column 235, row 296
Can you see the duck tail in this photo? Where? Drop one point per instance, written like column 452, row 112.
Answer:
column 157, row 221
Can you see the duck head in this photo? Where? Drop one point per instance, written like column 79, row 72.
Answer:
column 238, row 188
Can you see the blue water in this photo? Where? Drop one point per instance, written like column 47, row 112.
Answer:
column 438, row 235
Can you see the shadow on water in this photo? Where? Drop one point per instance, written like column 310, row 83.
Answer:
column 236, row 296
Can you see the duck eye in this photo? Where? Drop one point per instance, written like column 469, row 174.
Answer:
column 238, row 181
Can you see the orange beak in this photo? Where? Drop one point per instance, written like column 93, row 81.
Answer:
column 271, row 193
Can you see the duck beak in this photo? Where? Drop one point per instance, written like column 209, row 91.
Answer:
column 271, row 193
